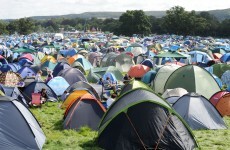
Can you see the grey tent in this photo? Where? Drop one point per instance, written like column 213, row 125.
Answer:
column 19, row 130
column 72, row 75
column 198, row 112
column 81, row 85
column 139, row 119
column 85, row 111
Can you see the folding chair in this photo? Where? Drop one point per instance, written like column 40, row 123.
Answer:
column 36, row 100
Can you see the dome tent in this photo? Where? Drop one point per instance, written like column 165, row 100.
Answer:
column 207, row 117
column 124, row 127
column 193, row 79
column 18, row 128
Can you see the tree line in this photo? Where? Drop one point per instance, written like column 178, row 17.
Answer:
column 177, row 21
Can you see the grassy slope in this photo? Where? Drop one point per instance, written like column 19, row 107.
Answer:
column 50, row 118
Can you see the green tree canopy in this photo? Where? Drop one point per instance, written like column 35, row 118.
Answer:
column 134, row 22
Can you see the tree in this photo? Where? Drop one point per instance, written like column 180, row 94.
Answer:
column 25, row 26
column 13, row 27
column 134, row 22
column 176, row 21
column 3, row 28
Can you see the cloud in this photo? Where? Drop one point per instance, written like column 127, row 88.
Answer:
column 26, row 8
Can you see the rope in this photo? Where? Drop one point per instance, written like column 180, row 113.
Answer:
column 161, row 135
column 136, row 131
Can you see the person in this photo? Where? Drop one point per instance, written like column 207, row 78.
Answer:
column 110, row 100
column 100, row 82
column 49, row 76
column 126, row 79
column 64, row 96
column 44, row 95
column 109, row 85
column 38, row 76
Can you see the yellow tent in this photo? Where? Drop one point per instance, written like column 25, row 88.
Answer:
column 48, row 57
column 72, row 97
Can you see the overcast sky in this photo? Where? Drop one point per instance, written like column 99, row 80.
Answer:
column 12, row 9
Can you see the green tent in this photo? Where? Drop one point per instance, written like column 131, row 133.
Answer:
column 133, row 84
column 219, row 69
column 79, row 66
column 23, row 50
column 140, row 119
column 47, row 65
column 172, row 55
column 193, row 79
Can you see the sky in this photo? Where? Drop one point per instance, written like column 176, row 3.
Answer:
column 14, row 9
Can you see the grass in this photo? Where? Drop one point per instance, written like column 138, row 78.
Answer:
column 50, row 117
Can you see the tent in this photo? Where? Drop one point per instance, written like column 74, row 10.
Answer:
column 14, row 93
column 70, row 99
column 124, row 127
column 133, row 84
column 10, row 79
column 59, row 67
column 135, row 48
column 223, row 105
column 81, row 85
column 48, row 65
column 198, row 112
column 94, row 58
column 18, row 128
column 123, row 62
column 85, row 63
column 111, row 76
column 174, row 92
column 10, row 67
column 85, row 111
column 25, row 62
column 193, row 79
column 48, row 58
column 148, row 62
column 108, row 59
column 149, row 77
column 27, row 56
column 72, row 75
column 225, row 78
column 215, row 97
column 72, row 59
column 26, row 72
column 79, row 66
column 199, row 57
column 161, row 77
column 3, row 60
column 219, row 69
column 138, row 71
column 225, row 58
column 58, row 85
column 36, row 87
column 24, row 50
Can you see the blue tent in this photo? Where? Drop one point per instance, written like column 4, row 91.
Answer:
column 70, row 52
column 225, row 58
column 218, row 80
column 26, row 72
column 36, row 87
column 58, row 85
column 148, row 62
column 10, row 67
column 14, row 93
column 111, row 76
column 150, row 54
column 149, row 77
column 85, row 63
column 59, row 67
column 3, row 60
column 72, row 75
column 25, row 62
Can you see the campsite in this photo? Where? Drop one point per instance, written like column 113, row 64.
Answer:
column 134, row 80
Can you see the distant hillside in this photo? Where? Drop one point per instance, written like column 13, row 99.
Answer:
column 220, row 14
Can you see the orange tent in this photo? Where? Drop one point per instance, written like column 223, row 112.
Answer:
column 137, row 71
column 72, row 59
column 223, row 105
column 72, row 97
column 217, row 96
column 83, row 97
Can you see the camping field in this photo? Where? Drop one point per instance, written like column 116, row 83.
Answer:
column 50, row 118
